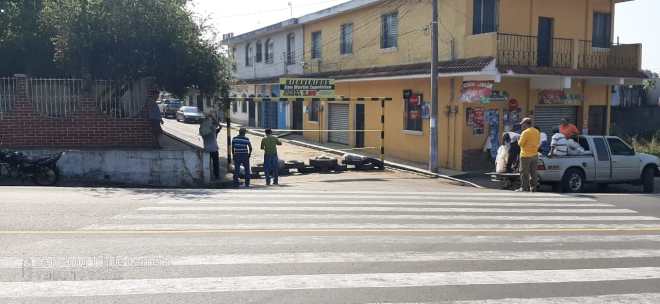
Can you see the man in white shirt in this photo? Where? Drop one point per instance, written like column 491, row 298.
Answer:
column 560, row 146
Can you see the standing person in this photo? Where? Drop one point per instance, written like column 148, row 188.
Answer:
column 530, row 141
column 271, row 162
column 155, row 121
column 208, row 130
column 568, row 129
column 242, row 150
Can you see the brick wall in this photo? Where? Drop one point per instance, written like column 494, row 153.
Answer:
column 22, row 127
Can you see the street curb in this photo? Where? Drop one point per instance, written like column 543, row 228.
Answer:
column 387, row 163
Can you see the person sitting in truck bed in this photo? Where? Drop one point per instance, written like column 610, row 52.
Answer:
column 560, row 146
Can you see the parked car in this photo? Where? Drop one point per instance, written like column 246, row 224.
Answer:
column 170, row 107
column 189, row 114
column 607, row 160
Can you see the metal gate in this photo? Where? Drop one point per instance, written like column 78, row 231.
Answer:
column 549, row 117
column 338, row 120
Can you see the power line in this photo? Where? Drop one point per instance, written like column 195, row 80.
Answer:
column 275, row 10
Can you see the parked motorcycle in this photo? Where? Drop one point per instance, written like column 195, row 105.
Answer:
column 42, row 171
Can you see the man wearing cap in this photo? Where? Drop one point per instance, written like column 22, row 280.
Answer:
column 530, row 141
column 242, row 150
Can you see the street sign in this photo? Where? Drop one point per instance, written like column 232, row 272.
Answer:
column 307, row 87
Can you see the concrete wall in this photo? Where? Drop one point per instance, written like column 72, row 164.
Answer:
column 279, row 66
column 182, row 168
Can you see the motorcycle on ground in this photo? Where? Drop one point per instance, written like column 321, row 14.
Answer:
column 42, row 170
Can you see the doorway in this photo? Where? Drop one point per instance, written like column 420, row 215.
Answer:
column 359, row 125
column 545, row 38
column 597, row 120
column 252, row 115
column 297, row 119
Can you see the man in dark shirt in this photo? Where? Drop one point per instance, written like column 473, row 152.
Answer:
column 155, row 120
column 242, row 150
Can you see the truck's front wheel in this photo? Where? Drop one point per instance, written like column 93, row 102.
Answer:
column 573, row 181
column 648, row 180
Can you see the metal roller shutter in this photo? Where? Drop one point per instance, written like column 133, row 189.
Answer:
column 549, row 117
column 338, row 120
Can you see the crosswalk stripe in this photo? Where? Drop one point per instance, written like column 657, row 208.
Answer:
column 642, row 298
column 454, row 197
column 320, row 257
column 355, row 226
column 392, row 193
column 453, row 217
column 384, row 209
column 367, row 203
column 316, row 281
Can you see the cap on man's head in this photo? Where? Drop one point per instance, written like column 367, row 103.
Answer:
column 565, row 121
column 526, row 121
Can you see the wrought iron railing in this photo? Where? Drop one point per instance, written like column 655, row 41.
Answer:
column 7, row 94
column 523, row 50
column 56, row 98
column 121, row 99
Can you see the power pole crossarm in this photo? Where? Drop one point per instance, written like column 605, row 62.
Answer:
column 433, row 157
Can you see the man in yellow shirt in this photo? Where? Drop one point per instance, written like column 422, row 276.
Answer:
column 529, row 142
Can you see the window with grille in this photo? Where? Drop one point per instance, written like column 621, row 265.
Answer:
column 346, row 46
column 234, row 106
column 485, row 17
column 602, row 30
column 244, row 105
column 259, row 51
column 316, row 45
column 291, row 49
column 314, row 107
column 390, row 31
column 270, row 51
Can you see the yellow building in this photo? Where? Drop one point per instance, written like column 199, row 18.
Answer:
column 501, row 60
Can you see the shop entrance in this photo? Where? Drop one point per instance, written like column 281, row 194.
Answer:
column 549, row 117
column 297, row 119
column 338, row 123
column 359, row 125
column 597, row 120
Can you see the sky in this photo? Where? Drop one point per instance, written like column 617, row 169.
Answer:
column 635, row 21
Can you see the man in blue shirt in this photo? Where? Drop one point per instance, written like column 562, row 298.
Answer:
column 242, row 150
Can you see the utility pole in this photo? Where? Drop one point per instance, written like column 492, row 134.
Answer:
column 433, row 157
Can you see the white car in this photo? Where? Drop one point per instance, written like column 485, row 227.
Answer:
column 607, row 160
column 189, row 114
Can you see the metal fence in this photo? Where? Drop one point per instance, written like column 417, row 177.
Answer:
column 56, row 98
column 7, row 94
column 523, row 50
column 119, row 99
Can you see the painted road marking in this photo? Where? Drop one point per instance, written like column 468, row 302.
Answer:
column 367, row 203
column 316, row 281
column 642, row 298
column 52, row 262
column 385, row 209
column 361, row 226
column 206, row 216
column 454, row 197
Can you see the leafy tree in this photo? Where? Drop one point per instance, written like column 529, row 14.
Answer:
column 121, row 40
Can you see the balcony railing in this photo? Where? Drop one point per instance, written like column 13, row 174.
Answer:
column 523, row 50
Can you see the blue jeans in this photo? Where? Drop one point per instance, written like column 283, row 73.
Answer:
column 271, row 168
column 241, row 160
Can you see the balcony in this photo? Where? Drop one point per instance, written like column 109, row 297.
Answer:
column 558, row 53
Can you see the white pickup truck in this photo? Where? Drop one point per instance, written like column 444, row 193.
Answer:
column 607, row 160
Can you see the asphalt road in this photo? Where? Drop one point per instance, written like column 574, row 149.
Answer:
column 399, row 239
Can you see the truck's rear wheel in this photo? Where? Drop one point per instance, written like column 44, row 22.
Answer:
column 648, row 180
column 573, row 181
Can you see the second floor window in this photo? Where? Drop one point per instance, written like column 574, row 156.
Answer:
column 248, row 55
column 346, row 43
column 290, row 49
column 259, row 51
column 316, row 45
column 233, row 59
column 390, row 31
column 602, row 30
column 270, row 51
column 485, row 16
column 244, row 105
